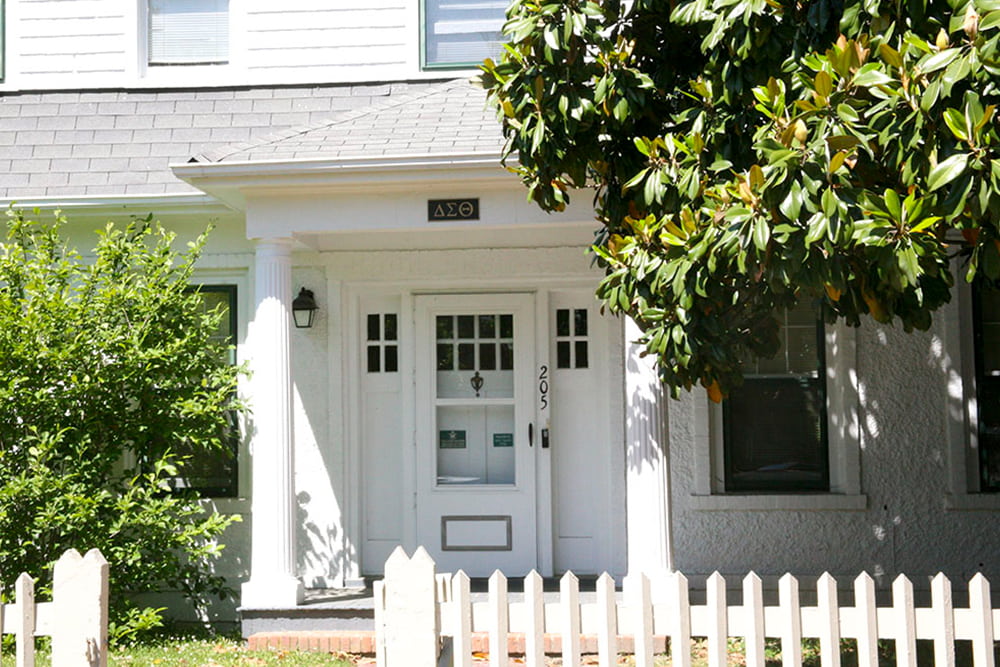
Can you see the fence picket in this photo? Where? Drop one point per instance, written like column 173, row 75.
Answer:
column 639, row 602
column 718, row 620
column 498, row 619
column 607, row 623
column 866, row 619
column 829, row 612
column 753, row 619
column 569, row 599
column 982, row 625
column 944, row 626
column 462, row 609
column 405, row 603
column 906, row 622
column 791, row 615
column 680, row 626
column 534, row 633
column 24, row 592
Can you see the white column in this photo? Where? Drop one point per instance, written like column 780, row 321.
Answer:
column 272, row 529
column 647, row 464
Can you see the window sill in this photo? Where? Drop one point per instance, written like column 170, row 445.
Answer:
column 972, row 502
column 766, row 502
column 227, row 505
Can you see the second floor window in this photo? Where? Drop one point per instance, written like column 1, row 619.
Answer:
column 188, row 32
column 461, row 33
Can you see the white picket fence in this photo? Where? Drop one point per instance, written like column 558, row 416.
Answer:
column 76, row 618
column 415, row 608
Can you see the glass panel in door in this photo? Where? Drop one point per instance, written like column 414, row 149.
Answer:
column 474, row 399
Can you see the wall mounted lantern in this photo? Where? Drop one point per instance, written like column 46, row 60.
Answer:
column 304, row 309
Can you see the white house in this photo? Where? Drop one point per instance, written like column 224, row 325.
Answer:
column 459, row 388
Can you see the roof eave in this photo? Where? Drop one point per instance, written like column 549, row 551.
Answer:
column 100, row 205
column 231, row 182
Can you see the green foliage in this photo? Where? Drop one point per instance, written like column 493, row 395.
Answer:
column 106, row 368
column 751, row 154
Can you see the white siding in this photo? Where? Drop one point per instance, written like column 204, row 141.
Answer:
column 87, row 39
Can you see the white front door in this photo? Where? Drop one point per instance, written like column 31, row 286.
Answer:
column 475, row 436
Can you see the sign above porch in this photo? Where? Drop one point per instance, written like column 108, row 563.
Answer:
column 446, row 210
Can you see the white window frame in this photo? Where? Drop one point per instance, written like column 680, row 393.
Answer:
column 843, row 442
column 424, row 28
column 963, row 406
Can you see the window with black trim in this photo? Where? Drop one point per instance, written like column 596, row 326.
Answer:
column 215, row 473
column 986, row 337
column 571, row 338
column 187, row 32
column 382, row 348
column 774, row 426
column 461, row 34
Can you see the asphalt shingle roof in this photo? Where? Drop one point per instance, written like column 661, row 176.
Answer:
column 113, row 143
column 446, row 118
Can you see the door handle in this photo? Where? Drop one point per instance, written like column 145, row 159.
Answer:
column 531, row 435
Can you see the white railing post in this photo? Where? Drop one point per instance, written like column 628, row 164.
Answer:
column 680, row 626
column 944, row 621
column 80, row 601
column 829, row 613
column 867, row 617
column 461, row 641
column 499, row 619
column 718, row 620
column 906, row 622
column 569, row 599
column 791, row 614
column 982, row 621
column 410, row 631
column 24, row 593
column 534, row 632
column 607, row 624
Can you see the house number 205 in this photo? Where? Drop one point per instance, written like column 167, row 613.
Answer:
column 543, row 386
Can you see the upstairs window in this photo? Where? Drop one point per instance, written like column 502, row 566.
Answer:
column 986, row 336
column 774, row 426
column 461, row 33
column 188, row 32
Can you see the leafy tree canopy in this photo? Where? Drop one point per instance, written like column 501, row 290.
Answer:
column 748, row 155
column 110, row 381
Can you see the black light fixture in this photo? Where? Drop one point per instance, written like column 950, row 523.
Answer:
column 304, row 309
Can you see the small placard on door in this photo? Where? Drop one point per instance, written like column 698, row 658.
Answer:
column 503, row 439
column 451, row 440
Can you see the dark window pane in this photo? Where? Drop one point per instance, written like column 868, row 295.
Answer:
column 562, row 354
column 506, row 326
column 487, row 357
column 487, row 326
column 466, row 326
column 562, row 322
column 506, row 356
column 446, row 357
column 391, row 359
column 374, row 354
column 466, row 356
column 390, row 326
column 581, row 353
column 445, row 325
column 580, row 322
column 373, row 328
column 775, row 436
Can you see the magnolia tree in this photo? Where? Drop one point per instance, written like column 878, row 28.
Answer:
column 110, row 381
column 749, row 155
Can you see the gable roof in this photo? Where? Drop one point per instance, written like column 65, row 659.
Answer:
column 446, row 118
column 58, row 145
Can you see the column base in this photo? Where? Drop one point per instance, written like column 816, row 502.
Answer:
column 280, row 592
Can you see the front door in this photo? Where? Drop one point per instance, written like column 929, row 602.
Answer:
column 475, row 449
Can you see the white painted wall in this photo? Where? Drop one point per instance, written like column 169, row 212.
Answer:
column 908, row 452
column 80, row 44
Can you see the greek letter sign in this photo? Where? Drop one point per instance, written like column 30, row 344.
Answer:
column 446, row 210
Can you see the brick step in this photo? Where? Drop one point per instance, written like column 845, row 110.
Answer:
column 363, row 642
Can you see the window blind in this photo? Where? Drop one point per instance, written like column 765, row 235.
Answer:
column 462, row 32
column 185, row 32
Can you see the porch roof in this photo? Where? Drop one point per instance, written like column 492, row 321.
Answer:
column 443, row 119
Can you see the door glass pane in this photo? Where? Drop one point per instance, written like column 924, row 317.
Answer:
column 475, row 440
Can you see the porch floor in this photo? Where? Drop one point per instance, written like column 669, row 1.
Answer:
column 352, row 610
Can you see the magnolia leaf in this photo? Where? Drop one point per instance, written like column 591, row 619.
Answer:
column 947, row 171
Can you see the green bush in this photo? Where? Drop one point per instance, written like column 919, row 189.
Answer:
column 107, row 371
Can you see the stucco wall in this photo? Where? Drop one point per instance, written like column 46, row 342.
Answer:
column 905, row 459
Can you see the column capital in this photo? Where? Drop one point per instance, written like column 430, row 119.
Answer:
column 279, row 246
